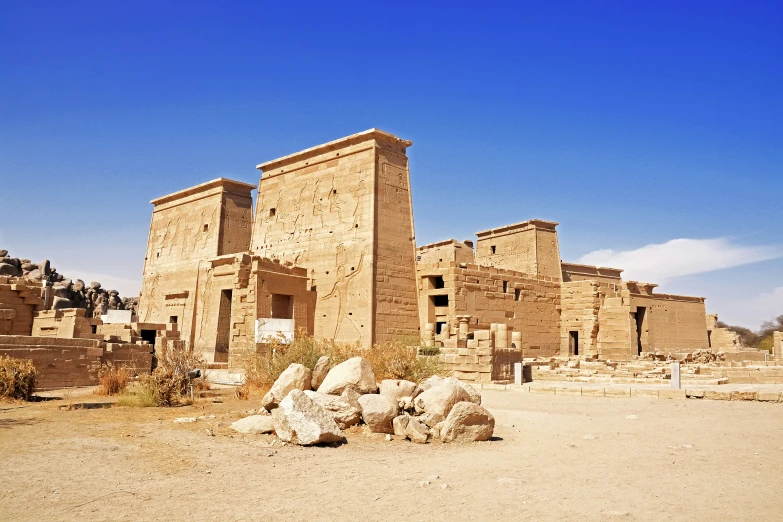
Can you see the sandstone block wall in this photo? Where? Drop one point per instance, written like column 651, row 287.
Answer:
column 19, row 300
column 576, row 272
column 525, row 304
column 721, row 339
column 449, row 251
column 777, row 347
column 530, row 247
column 343, row 211
column 65, row 323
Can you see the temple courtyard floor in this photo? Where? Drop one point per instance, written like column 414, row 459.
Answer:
column 555, row 456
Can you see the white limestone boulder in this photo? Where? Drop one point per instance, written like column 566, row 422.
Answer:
column 417, row 431
column 399, row 424
column 397, row 389
column 475, row 395
column 437, row 401
column 429, row 382
column 254, row 424
column 344, row 414
column 300, row 420
column 467, row 422
column 354, row 373
column 320, row 370
column 295, row 377
column 378, row 412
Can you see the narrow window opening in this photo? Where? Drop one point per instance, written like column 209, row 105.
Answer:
column 505, row 286
column 206, row 227
column 517, row 294
column 494, row 248
column 173, row 319
column 272, row 212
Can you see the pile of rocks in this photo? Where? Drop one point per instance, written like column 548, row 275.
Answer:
column 67, row 293
column 312, row 407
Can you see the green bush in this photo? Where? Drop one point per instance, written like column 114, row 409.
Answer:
column 17, row 379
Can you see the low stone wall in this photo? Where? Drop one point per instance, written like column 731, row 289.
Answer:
column 63, row 363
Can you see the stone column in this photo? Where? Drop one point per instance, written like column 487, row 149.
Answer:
column 464, row 326
column 501, row 336
column 516, row 341
column 429, row 335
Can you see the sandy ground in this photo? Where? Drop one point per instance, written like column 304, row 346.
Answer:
column 554, row 458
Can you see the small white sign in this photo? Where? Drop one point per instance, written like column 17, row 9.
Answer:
column 268, row 329
column 117, row 317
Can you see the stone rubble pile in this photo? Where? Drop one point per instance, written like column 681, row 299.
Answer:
column 313, row 407
column 68, row 293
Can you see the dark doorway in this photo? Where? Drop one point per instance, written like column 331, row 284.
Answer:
column 573, row 342
column 282, row 306
column 149, row 336
column 223, row 326
column 640, row 311
column 709, row 338
column 439, row 327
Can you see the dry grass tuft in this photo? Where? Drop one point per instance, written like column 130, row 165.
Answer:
column 17, row 379
column 391, row 360
column 168, row 384
column 112, row 380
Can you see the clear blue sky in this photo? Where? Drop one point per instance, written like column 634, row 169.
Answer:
column 630, row 123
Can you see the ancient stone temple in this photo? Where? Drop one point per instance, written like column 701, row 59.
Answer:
column 331, row 250
column 342, row 210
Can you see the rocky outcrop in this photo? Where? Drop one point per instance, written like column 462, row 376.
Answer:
column 67, row 293
column 437, row 401
column 344, row 413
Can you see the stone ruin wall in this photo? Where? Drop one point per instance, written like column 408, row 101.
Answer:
column 530, row 247
column 343, row 211
column 449, row 251
column 722, row 339
column 526, row 305
column 19, row 300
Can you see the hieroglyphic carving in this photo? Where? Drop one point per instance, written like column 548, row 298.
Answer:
column 340, row 290
column 150, row 297
column 206, row 301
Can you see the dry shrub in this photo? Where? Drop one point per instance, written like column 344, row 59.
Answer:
column 391, row 360
column 168, row 384
column 17, row 378
column 112, row 380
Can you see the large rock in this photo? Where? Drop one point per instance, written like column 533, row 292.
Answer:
column 438, row 400
column 254, row 424
column 295, row 377
column 3, row 253
column 399, row 424
column 7, row 269
column 397, row 389
column 319, row 371
column 430, row 382
column 34, row 275
column 378, row 412
column 417, row 431
column 474, row 394
column 344, row 414
column 299, row 420
column 58, row 303
column 467, row 422
column 355, row 373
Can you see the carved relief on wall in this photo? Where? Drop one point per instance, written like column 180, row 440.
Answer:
column 150, row 297
column 341, row 293
column 184, row 235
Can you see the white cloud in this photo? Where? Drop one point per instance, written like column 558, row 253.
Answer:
column 126, row 287
column 659, row 263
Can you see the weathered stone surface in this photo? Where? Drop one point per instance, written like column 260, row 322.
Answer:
column 319, row 371
column 351, row 396
column 438, row 400
column 435, row 430
column 58, row 303
column 344, row 414
column 7, row 269
column 295, row 377
column 473, row 393
column 3, row 253
column 417, row 431
column 397, row 389
column 355, row 373
column 406, row 404
column 300, row 420
column 429, row 382
column 399, row 424
column 378, row 412
column 254, row 424
column 467, row 422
